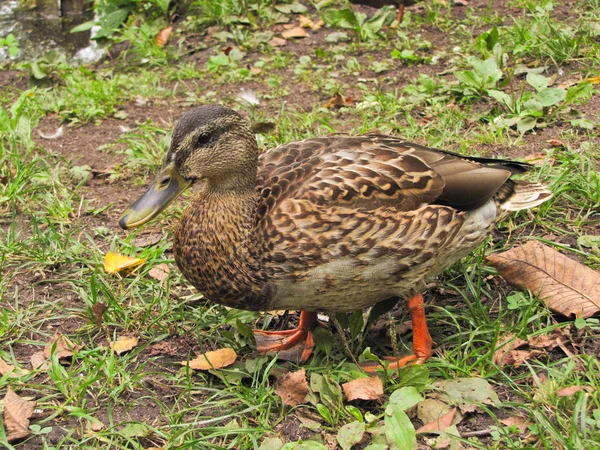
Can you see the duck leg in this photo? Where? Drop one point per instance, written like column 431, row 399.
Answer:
column 421, row 339
column 300, row 339
column 400, row 12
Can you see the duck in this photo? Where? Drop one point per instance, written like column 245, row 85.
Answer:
column 327, row 224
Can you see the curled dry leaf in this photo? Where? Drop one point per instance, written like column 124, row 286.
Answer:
column 17, row 412
column 39, row 361
column 337, row 101
column 370, row 388
column 163, row 36
column 98, row 312
column 212, row 360
column 566, row 286
column 123, row 344
column 506, row 350
column 307, row 22
column 292, row 387
column 442, row 423
column 7, row 368
column 160, row 272
column 64, row 348
column 540, row 159
column 516, row 421
column 293, row 33
column 115, row 263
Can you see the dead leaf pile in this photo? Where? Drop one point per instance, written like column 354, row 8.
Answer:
column 17, row 412
column 212, row 360
column 565, row 285
column 292, row 387
column 510, row 349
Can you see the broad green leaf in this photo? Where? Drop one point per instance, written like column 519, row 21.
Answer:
column 550, row 96
column 399, row 431
column 468, row 78
column 324, row 413
column 538, row 82
column 583, row 123
column 350, row 434
column 501, row 97
column 134, row 430
column 304, row 445
column 487, row 70
column 526, row 124
column 324, row 340
column 83, row 26
column 406, row 397
column 271, row 443
column 582, row 91
column 415, row 375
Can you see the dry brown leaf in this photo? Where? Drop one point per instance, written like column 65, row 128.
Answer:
column 568, row 391
column 556, row 143
column 307, row 22
column 516, row 421
column 292, row 387
column 337, row 101
column 98, row 312
column 543, row 341
column 96, row 425
column 115, row 263
column 124, row 344
column 370, row 388
column 566, row 286
column 255, row 70
column 64, row 348
column 148, row 240
column 539, row 159
column 212, row 360
column 505, row 350
column 39, row 361
column 440, row 424
column 160, row 272
column 7, row 368
column 17, row 412
column 163, row 36
column 294, row 33
column 277, row 42
column 162, row 348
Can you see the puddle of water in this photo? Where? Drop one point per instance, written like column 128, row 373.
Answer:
column 47, row 28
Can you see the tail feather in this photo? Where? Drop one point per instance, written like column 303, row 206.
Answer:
column 526, row 195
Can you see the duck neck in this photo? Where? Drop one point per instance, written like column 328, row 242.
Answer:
column 214, row 244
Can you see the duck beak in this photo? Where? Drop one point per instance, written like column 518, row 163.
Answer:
column 167, row 187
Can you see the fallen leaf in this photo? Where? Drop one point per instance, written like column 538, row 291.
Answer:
column 160, row 272
column 556, row 143
column 124, row 344
column 114, row 263
column 593, row 80
column 337, row 101
column 163, row 36
column 431, row 409
column 212, row 360
column 294, row 33
column 277, row 42
column 148, row 240
column 64, row 348
column 440, row 424
column 255, row 70
column 17, row 412
column 369, row 388
column 467, row 392
column 350, row 434
column 568, row 391
column 565, row 285
column 543, row 341
column 6, row 368
column 504, row 347
column 163, row 348
column 539, row 159
column 98, row 312
column 96, row 425
column 292, row 387
column 39, row 361
column 307, row 22
column 516, row 421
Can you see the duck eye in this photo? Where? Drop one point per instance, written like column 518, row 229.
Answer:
column 202, row 139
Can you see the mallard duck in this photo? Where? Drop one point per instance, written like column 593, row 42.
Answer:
column 330, row 224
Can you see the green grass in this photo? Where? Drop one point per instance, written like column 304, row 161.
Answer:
column 56, row 226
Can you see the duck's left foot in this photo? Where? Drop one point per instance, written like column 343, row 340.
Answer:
column 421, row 340
column 295, row 345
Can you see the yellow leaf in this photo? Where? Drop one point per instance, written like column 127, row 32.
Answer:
column 114, row 263
column 593, row 80
column 124, row 344
column 212, row 360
